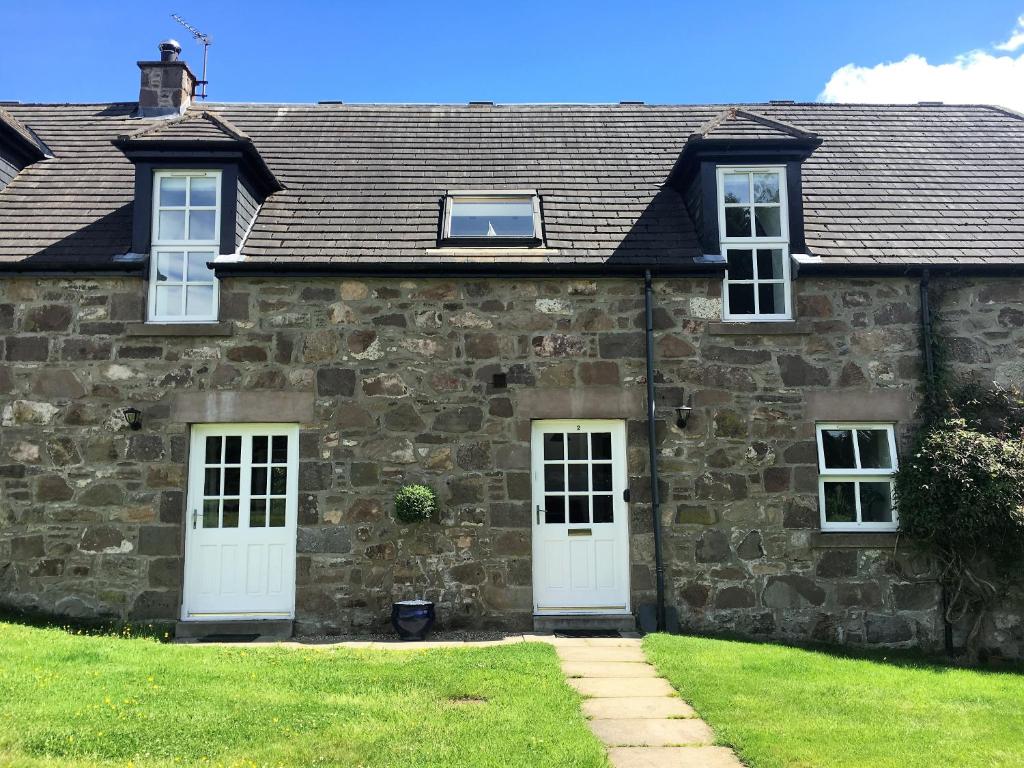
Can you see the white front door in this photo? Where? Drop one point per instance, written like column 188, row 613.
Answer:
column 580, row 525
column 241, row 522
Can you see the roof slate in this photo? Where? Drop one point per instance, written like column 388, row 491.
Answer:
column 890, row 184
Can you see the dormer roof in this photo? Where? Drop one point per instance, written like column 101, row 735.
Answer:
column 735, row 123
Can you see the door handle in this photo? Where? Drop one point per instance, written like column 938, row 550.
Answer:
column 195, row 515
column 538, row 514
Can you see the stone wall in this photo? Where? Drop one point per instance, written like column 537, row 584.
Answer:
column 401, row 377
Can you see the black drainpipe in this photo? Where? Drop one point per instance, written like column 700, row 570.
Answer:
column 930, row 393
column 659, row 565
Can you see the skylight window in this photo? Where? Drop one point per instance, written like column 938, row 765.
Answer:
column 492, row 218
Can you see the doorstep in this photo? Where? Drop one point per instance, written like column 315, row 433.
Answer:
column 256, row 630
column 611, row 622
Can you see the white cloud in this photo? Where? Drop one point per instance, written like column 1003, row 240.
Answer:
column 975, row 77
column 1016, row 39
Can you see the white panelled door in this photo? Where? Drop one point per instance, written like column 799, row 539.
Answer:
column 580, row 525
column 241, row 522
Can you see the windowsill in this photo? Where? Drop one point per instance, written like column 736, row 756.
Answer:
column 214, row 328
column 760, row 328
column 472, row 251
column 854, row 539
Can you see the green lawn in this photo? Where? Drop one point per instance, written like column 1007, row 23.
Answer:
column 104, row 701
column 792, row 708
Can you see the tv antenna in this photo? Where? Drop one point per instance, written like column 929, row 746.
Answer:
column 206, row 40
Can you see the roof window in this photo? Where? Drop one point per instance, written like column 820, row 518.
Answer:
column 492, row 218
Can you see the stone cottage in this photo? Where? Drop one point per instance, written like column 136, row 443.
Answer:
column 646, row 355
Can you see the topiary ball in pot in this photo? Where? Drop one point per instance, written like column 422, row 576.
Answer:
column 415, row 503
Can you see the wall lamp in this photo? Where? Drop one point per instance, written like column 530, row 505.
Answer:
column 133, row 418
column 683, row 415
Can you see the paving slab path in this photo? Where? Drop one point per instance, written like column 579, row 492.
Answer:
column 636, row 714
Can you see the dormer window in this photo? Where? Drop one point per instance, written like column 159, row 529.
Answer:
column 492, row 218
column 754, row 231
column 186, row 237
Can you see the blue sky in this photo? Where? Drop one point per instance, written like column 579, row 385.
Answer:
column 515, row 51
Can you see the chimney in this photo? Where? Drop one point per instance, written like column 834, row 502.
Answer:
column 167, row 86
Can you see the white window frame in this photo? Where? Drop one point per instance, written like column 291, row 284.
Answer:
column 856, row 475
column 492, row 196
column 159, row 246
column 780, row 242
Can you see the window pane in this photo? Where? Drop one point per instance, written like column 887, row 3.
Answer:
column 772, row 298
column 231, row 513
column 168, row 300
column 280, row 449
column 172, row 190
column 203, row 190
column 766, row 187
column 737, row 188
column 277, row 513
column 258, row 513
column 171, row 225
column 602, row 477
column 211, row 483
column 769, row 264
column 875, row 502
column 840, row 505
column 837, row 445
column 199, row 301
column 259, row 450
column 169, row 266
column 874, row 449
column 578, row 477
column 737, row 222
column 258, row 483
column 211, row 513
column 201, row 225
column 741, row 264
column 579, row 509
column 768, row 221
column 554, row 509
column 601, row 445
column 554, row 477
column 493, row 218
column 279, row 480
column 233, row 450
column 232, row 481
column 554, row 446
column 577, row 446
column 741, row 299
column 197, row 269
column 603, row 509
column 213, row 450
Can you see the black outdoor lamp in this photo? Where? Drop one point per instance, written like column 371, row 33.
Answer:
column 133, row 418
column 682, row 415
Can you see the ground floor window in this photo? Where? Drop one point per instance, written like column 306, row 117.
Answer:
column 856, row 464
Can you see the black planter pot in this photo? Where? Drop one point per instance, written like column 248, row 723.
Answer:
column 412, row 619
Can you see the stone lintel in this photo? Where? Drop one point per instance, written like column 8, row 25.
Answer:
column 786, row 328
column 223, row 328
column 580, row 403
column 242, row 407
column 860, row 404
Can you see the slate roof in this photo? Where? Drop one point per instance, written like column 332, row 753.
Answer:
column 734, row 123
column 193, row 126
column 890, row 184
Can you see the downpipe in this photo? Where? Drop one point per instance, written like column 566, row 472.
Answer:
column 659, row 564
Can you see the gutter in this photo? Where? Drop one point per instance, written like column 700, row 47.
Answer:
column 659, row 564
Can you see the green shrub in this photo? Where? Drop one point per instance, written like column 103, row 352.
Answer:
column 961, row 493
column 415, row 503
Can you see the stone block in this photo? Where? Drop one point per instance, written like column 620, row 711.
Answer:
column 837, row 563
column 713, row 547
column 325, row 539
column 791, row 591
column 734, row 597
column 884, row 629
column 916, row 596
column 49, row 488
column 104, row 539
column 616, row 345
column 27, row 349
column 333, row 382
column 159, row 540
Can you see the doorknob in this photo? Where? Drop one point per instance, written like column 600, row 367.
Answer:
column 195, row 514
column 538, row 514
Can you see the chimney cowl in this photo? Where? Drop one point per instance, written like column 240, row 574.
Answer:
column 170, row 50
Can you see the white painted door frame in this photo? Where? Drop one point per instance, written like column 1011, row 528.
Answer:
column 239, row 552
column 580, row 518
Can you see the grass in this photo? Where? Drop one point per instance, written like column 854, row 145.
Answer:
column 108, row 701
column 783, row 707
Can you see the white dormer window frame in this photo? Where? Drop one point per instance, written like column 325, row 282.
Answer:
column 524, row 212
column 185, row 238
column 761, row 271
